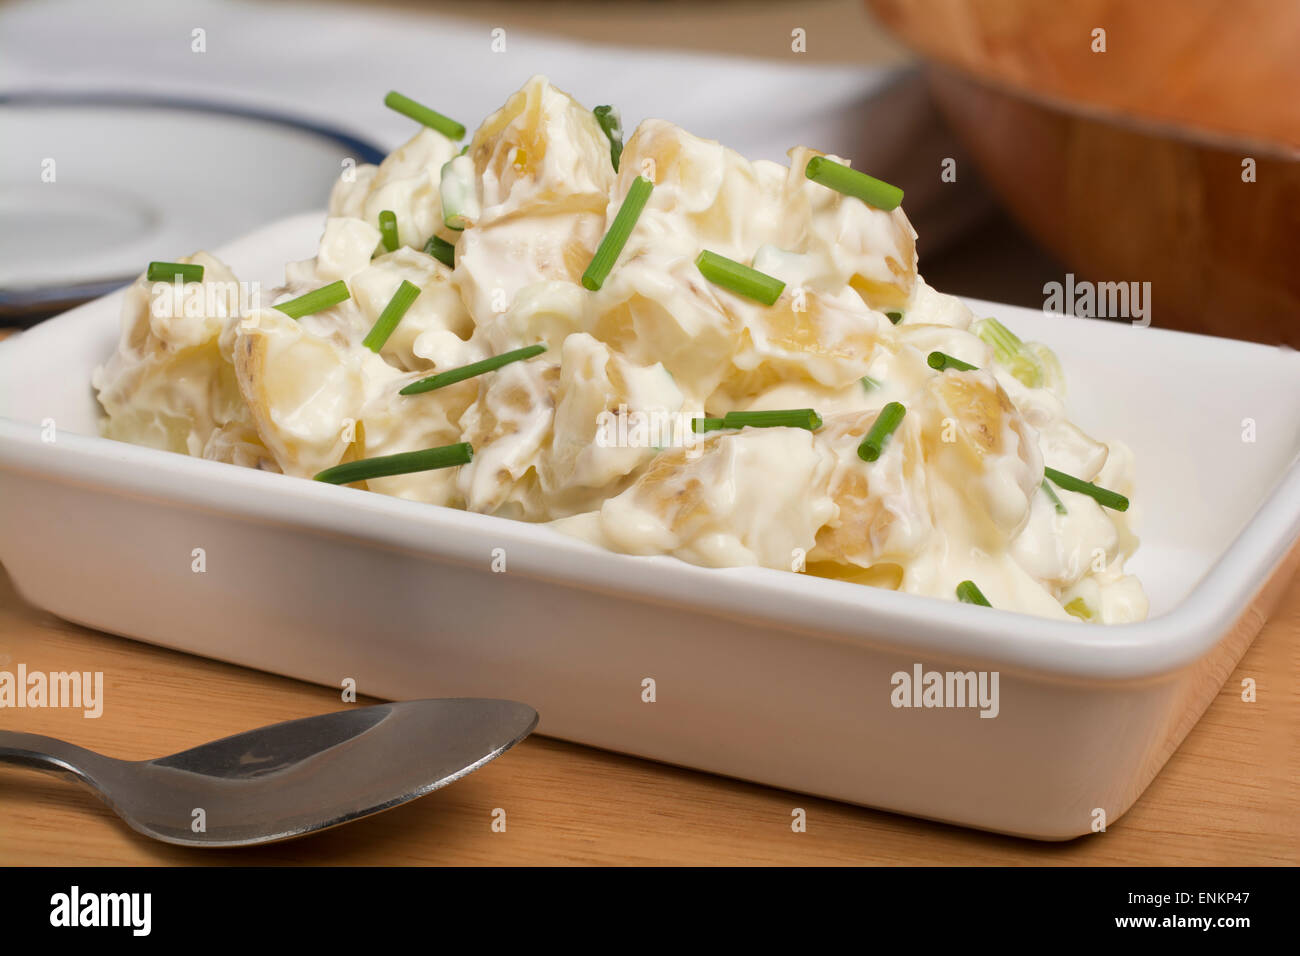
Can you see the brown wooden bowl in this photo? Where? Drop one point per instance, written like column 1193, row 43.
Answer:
column 1128, row 164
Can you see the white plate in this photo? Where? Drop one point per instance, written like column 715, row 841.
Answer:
column 91, row 187
column 760, row 674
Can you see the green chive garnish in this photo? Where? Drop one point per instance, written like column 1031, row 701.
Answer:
column 1057, row 503
column 392, row 314
column 942, row 360
column 869, row 384
column 609, row 121
column 388, row 229
column 452, row 376
column 168, row 271
column 1103, row 496
column 316, row 300
column 840, row 178
column 403, row 463
column 777, row 418
column 442, row 250
column 968, row 593
column 422, row 114
column 890, row 417
column 738, row 278
column 624, row 222
column 894, row 317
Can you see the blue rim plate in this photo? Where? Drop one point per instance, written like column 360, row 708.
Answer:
column 136, row 178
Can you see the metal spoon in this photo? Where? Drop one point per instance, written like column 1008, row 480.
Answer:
column 294, row 778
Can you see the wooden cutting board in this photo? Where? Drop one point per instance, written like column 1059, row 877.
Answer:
column 1230, row 795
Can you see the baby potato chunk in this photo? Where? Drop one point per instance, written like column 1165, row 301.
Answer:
column 304, row 392
column 541, row 152
column 976, row 438
column 749, row 497
column 884, row 512
column 874, row 251
column 169, row 385
column 805, row 337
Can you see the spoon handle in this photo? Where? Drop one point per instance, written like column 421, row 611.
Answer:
column 50, row 753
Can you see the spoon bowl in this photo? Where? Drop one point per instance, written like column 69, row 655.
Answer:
column 294, row 778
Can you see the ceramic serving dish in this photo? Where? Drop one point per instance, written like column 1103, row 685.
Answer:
column 765, row 675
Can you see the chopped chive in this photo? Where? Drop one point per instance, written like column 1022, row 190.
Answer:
column 392, row 314
column 777, row 418
column 388, row 229
column 168, row 271
column 869, row 384
column 942, row 360
column 612, row 125
column 624, row 222
column 442, row 250
column 403, row 463
column 422, row 114
column 1103, row 496
column 738, row 278
column 850, row 182
column 890, row 417
column 968, row 593
column 452, row 376
column 316, row 300
column 1057, row 503
column 894, row 317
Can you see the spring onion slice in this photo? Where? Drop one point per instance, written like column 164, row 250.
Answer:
column 894, row 317
column 1103, row 496
column 392, row 314
column 403, row 463
column 459, row 193
column 442, row 250
column 850, row 182
column 388, row 229
column 886, row 423
column 422, row 114
column 316, row 300
column 968, row 593
column 1011, row 352
column 942, row 360
column 738, row 278
column 169, row 271
column 1057, row 503
column 612, row 125
column 454, row 375
column 869, row 384
column 619, row 231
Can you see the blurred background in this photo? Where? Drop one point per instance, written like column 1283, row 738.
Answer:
column 1165, row 150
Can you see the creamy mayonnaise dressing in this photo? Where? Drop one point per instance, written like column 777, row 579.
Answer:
column 955, row 495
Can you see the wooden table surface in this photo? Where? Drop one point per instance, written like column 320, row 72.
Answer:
column 1230, row 795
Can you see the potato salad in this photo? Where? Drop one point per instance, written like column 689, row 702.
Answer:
column 655, row 345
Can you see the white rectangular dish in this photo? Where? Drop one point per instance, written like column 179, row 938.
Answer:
column 764, row 675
